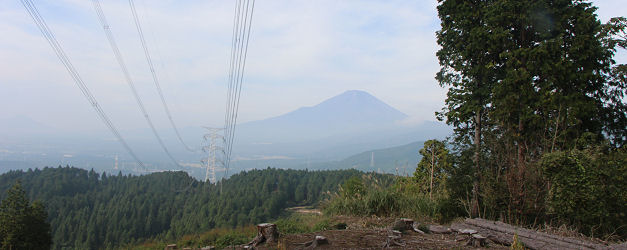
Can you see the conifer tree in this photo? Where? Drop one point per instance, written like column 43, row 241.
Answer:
column 23, row 225
column 432, row 168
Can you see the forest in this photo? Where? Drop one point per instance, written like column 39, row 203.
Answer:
column 87, row 210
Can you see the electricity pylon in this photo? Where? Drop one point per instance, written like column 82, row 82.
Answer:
column 211, row 141
column 372, row 160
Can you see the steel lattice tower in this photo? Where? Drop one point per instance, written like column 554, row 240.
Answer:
column 212, row 138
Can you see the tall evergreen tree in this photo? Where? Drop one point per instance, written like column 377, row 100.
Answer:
column 23, row 225
column 469, row 71
column 434, row 165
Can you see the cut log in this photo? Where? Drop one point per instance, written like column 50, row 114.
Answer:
column 266, row 232
column 467, row 231
column 437, row 229
column 533, row 239
column 316, row 242
column 414, row 227
column 621, row 246
column 502, row 233
column 477, row 240
column 501, row 240
column 534, row 234
column 208, row 248
column 170, row 247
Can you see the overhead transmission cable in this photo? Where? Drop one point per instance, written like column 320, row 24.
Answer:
column 232, row 83
column 49, row 36
column 241, row 38
column 118, row 56
column 240, row 76
column 154, row 75
column 232, row 61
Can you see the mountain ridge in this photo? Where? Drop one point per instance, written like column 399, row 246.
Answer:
column 342, row 108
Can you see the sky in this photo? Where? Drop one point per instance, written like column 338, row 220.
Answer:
column 301, row 52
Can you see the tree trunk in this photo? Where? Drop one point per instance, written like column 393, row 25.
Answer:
column 521, row 171
column 474, row 210
column 432, row 167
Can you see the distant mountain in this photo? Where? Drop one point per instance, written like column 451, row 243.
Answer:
column 352, row 110
column 352, row 107
column 346, row 124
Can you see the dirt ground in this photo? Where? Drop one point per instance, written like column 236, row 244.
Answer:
column 372, row 233
column 376, row 239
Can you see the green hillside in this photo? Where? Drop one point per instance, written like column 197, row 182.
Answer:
column 87, row 210
column 386, row 160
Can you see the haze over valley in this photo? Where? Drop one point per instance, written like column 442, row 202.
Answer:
column 338, row 133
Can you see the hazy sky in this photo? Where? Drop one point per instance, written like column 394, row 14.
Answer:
column 301, row 52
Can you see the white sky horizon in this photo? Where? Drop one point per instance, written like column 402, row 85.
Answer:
column 300, row 53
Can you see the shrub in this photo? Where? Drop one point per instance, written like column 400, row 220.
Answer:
column 587, row 189
column 400, row 200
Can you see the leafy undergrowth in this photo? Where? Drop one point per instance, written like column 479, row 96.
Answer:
column 366, row 197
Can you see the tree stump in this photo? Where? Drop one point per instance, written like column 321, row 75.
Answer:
column 477, row 240
column 403, row 224
column 266, row 232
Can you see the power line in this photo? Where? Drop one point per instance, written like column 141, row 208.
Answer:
column 49, row 36
column 154, row 75
column 227, row 114
column 241, row 38
column 239, row 77
column 232, row 63
column 118, row 56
